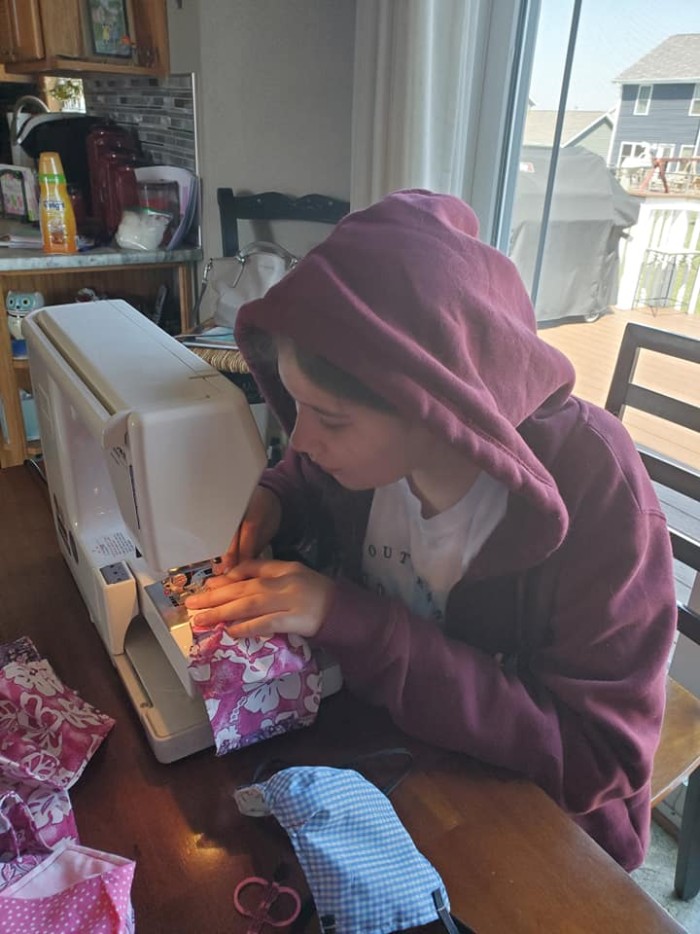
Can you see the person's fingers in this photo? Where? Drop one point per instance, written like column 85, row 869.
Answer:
column 230, row 557
column 215, row 582
column 247, row 542
column 234, row 608
column 263, row 567
column 223, row 590
column 220, row 590
column 266, row 625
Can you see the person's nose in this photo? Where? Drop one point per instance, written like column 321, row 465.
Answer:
column 303, row 438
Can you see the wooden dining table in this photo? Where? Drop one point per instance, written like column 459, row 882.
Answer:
column 512, row 861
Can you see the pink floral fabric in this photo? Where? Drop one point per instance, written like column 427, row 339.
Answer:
column 254, row 688
column 47, row 736
column 47, row 732
column 21, row 846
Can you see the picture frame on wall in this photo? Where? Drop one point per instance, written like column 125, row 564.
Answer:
column 108, row 27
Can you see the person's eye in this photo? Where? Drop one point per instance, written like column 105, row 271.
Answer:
column 331, row 425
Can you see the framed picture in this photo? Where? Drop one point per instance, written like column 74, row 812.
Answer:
column 108, row 28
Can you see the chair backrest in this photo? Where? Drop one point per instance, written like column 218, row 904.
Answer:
column 684, row 522
column 272, row 206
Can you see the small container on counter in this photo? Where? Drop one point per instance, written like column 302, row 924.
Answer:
column 56, row 216
column 142, row 229
column 162, row 196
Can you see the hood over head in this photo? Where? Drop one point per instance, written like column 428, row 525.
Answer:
column 403, row 296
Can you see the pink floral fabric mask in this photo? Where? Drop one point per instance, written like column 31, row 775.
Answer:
column 47, row 736
column 254, row 688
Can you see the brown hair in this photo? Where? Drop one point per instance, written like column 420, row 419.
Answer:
column 332, row 378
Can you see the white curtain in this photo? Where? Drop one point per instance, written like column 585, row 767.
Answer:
column 414, row 66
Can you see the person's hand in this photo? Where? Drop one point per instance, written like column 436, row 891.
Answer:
column 257, row 529
column 265, row 597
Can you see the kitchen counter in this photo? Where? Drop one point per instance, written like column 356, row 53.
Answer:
column 14, row 260
column 133, row 275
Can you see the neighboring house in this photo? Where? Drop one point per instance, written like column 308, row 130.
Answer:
column 660, row 103
column 588, row 128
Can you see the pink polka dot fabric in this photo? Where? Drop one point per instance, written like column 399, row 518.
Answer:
column 75, row 890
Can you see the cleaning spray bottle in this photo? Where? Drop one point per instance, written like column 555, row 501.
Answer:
column 58, row 228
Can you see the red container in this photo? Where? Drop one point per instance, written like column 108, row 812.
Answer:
column 109, row 165
column 126, row 187
column 102, row 142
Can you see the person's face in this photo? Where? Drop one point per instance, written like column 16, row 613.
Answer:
column 360, row 447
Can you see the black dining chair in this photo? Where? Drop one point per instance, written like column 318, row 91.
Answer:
column 677, row 758
column 268, row 206
column 262, row 209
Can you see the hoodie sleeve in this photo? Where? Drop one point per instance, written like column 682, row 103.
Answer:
column 308, row 529
column 583, row 722
column 290, row 482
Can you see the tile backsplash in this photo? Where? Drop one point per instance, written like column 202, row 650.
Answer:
column 161, row 110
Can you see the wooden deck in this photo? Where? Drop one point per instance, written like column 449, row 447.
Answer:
column 593, row 348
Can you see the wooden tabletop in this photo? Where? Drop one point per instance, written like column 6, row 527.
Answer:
column 511, row 860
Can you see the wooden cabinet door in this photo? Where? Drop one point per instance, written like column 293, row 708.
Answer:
column 27, row 41
column 6, row 46
column 150, row 28
column 57, row 37
column 63, row 28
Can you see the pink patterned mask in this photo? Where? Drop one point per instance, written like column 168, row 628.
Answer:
column 47, row 736
column 254, row 688
column 48, row 882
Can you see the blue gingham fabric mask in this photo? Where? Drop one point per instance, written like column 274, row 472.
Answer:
column 364, row 871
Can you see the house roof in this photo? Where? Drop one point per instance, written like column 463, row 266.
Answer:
column 540, row 124
column 675, row 59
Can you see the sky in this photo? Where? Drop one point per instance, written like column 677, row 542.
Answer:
column 612, row 35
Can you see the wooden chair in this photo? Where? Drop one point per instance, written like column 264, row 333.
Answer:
column 272, row 206
column 678, row 756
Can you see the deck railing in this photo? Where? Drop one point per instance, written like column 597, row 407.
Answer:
column 660, row 258
column 669, row 175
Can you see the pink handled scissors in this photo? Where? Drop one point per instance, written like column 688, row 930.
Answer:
column 259, row 913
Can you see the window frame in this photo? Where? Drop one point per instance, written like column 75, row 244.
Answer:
column 665, row 150
column 638, row 111
column 504, row 53
column 686, row 155
column 694, row 109
column 631, row 143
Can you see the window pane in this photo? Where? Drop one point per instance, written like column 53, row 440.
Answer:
column 695, row 104
column 622, row 238
column 643, row 101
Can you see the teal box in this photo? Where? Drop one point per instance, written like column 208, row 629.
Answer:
column 29, row 416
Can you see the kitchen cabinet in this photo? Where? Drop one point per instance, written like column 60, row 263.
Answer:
column 55, row 37
column 130, row 276
column 5, row 31
column 20, row 28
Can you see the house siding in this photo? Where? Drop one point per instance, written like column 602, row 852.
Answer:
column 597, row 141
column 668, row 120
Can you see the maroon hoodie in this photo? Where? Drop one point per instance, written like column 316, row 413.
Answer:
column 552, row 662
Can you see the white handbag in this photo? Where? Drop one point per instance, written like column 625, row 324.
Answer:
column 231, row 281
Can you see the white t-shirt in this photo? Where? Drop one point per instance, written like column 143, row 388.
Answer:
column 420, row 560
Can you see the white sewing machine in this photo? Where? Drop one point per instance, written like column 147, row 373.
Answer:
column 151, row 456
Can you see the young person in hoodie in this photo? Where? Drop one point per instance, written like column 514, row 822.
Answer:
column 492, row 565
